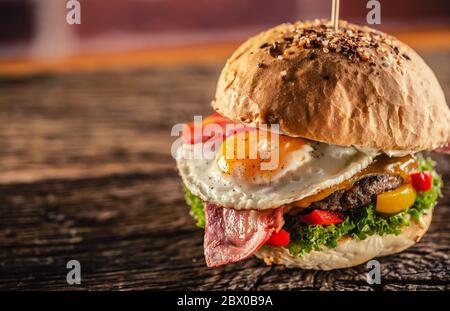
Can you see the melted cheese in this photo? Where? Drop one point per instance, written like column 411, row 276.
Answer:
column 402, row 166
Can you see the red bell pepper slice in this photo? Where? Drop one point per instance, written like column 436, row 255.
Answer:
column 318, row 217
column 422, row 181
column 281, row 238
column 190, row 136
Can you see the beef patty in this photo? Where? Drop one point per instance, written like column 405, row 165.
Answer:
column 363, row 192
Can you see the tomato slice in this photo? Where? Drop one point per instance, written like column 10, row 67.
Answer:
column 422, row 181
column 281, row 238
column 189, row 136
column 318, row 217
column 195, row 134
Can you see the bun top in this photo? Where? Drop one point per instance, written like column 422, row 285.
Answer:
column 357, row 86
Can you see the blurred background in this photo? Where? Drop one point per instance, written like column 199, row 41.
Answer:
column 37, row 29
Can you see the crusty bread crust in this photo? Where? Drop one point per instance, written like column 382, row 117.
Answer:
column 349, row 252
column 355, row 87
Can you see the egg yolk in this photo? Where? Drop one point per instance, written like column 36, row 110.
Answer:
column 256, row 156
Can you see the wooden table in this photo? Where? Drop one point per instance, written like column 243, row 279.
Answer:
column 86, row 174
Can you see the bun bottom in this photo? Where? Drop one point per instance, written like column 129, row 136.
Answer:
column 349, row 252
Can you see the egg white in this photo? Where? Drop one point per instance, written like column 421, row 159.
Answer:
column 328, row 165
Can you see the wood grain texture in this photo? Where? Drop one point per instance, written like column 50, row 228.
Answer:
column 86, row 174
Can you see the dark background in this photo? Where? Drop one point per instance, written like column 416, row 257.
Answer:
column 38, row 29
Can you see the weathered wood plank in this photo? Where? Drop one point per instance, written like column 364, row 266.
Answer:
column 86, row 174
column 127, row 236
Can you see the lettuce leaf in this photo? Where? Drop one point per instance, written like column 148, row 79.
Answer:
column 427, row 199
column 197, row 209
column 305, row 238
column 360, row 224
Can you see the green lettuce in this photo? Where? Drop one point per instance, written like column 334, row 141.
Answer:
column 427, row 199
column 197, row 209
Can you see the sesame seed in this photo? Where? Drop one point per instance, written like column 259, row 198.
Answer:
column 406, row 57
column 261, row 65
column 353, row 42
column 312, row 56
column 275, row 49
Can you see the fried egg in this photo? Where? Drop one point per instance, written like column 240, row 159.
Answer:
column 256, row 170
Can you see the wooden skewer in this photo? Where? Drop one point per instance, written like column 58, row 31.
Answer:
column 335, row 14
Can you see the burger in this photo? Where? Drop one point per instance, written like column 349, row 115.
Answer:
column 314, row 150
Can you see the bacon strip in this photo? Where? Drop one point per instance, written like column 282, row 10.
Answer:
column 443, row 149
column 232, row 235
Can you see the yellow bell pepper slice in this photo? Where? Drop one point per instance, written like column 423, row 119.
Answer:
column 395, row 201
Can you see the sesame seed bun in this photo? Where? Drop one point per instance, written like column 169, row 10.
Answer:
column 358, row 87
column 349, row 252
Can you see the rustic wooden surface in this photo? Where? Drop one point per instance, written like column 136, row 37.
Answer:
column 86, row 174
